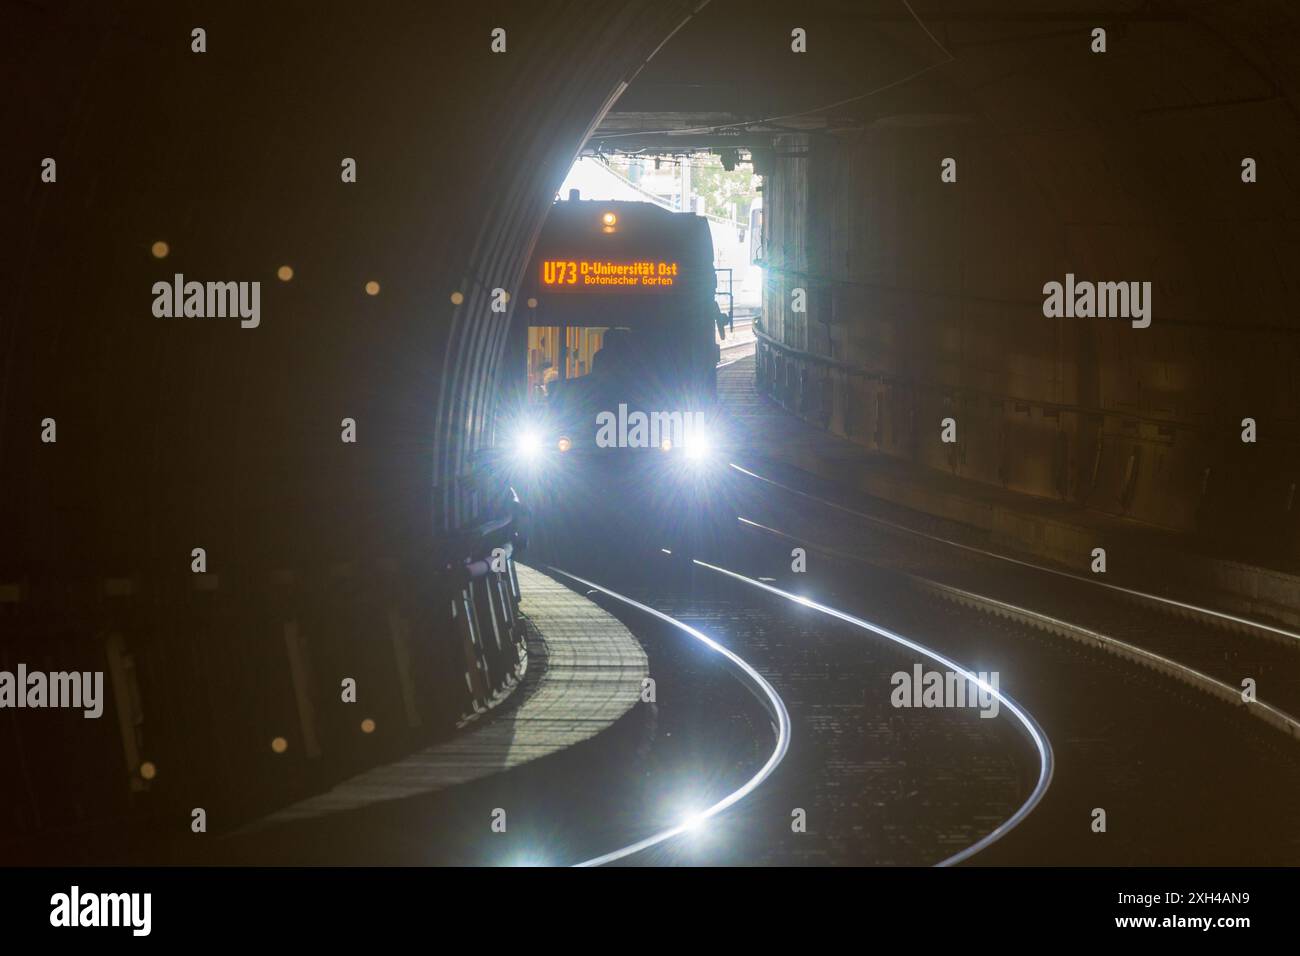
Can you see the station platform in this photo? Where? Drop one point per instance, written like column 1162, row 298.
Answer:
column 1138, row 556
column 585, row 671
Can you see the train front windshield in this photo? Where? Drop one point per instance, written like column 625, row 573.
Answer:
column 617, row 416
column 632, row 365
column 621, row 321
column 558, row 353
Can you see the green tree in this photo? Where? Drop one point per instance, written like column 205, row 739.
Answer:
column 721, row 188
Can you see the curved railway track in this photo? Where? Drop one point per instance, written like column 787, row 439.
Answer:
column 772, row 701
column 1182, row 640
column 758, row 686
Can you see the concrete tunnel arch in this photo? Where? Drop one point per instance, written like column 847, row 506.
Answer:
column 181, row 433
column 926, row 296
column 194, row 432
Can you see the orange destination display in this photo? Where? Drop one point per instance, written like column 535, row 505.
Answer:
column 588, row 275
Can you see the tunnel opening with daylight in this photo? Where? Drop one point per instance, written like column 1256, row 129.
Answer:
column 223, row 512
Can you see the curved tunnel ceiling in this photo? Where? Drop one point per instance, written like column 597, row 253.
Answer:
column 1121, row 165
column 173, row 431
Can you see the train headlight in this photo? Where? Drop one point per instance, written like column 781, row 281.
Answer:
column 609, row 219
column 528, row 446
column 698, row 445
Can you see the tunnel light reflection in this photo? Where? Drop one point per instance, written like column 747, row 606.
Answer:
column 1027, row 722
column 692, row 822
column 1168, row 602
column 687, row 810
column 758, row 685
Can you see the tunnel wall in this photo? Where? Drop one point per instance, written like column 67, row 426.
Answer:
column 325, row 559
column 925, row 298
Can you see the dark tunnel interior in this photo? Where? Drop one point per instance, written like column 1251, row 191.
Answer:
column 384, row 173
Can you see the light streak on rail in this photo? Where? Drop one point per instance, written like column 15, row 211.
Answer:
column 758, row 685
column 1035, row 732
column 1278, row 632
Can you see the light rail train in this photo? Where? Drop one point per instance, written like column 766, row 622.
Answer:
column 618, row 370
